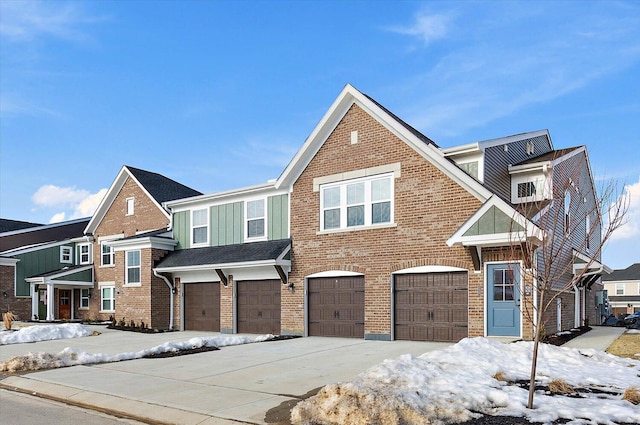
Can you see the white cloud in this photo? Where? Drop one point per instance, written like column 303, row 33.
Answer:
column 427, row 27
column 498, row 60
column 24, row 21
column 77, row 203
column 631, row 229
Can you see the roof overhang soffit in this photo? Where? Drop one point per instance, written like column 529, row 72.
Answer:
column 590, row 268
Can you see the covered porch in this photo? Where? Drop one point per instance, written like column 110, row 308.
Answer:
column 52, row 293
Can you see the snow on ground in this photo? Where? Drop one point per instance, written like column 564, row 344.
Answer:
column 72, row 357
column 44, row 333
column 448, row 386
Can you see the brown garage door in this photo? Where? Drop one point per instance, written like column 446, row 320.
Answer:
column 259, row 306
column 431, row 306
column 336, row 306
column 202, row 306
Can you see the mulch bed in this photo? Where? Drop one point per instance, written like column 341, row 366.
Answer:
column 565, row 336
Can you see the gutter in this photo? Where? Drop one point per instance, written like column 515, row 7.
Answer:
column 172, row 290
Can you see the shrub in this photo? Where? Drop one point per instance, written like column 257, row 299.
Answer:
column 632, row 395
column 558, row 386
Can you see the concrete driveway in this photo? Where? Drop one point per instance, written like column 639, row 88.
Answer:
column 235, row 384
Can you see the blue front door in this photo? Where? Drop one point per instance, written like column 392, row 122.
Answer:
column 503, row 299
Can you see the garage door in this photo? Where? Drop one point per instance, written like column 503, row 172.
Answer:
column 431, row 306
column 202, row 306
column 336, row 306
column 259, row 306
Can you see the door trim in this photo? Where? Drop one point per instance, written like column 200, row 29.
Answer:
column 486, row 296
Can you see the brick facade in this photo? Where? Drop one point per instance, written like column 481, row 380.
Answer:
column 424, row 213
column 20, row 306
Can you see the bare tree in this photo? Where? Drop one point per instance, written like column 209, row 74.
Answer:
column 576, row 222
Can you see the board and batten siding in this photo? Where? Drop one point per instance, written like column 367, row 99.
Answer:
column 278, row 217
column 35, row 263
column 226, row 224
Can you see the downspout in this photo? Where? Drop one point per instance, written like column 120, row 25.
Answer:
column 171, row 292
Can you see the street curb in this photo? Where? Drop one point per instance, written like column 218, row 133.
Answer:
column 105, row 403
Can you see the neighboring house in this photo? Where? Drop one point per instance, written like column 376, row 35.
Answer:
column 128, row 234
column 373, row 231
column 49, row 261
column 623, row 290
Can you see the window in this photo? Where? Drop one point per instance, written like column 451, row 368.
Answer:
column 587, row 224
column 356, row 203
column 567, row 212
column 526, row 189
column 130, row 205
column 106, row 257
column 503, row 285
column 84, row 253
column 84, row 298
column 107, row 298
column 255, row 219
column 619, row 288
column 133, row 268
column 470, row 168
column 200, row 227
column 65, row 254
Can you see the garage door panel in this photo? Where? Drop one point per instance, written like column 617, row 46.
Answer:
column 336, row 306
column 431, row 306
column 202, row 306
column 258, row 306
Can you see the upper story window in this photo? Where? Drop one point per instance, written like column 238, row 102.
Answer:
column 567, row 211
column 200, row 227
column 132, row 268
column 470, row 168
column 256, row 219
column 587, row 234
column 66, row 254
column 106, row 255
column 619, row 288
column 130, row 205
column 84, row 253
column 526, row 189
column 356, row 203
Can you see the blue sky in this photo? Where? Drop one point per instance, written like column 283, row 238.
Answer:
column 220, row 95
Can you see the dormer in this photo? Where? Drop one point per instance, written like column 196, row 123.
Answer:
column 469, row 158
column 531, row 182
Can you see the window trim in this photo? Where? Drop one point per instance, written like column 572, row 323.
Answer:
column 112, row 286
column 111, row 253
column 620, row 289
column 130, row 206
column 84, row 298
column 127, row 267
column 66, row 251
column 246, row 220
column 193, row 227
column 89, row 253
column 567, row 212
column 587, row 234
column 368, row 203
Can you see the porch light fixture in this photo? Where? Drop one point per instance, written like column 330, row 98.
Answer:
column 291, row 287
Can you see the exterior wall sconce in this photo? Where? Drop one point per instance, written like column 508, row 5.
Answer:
column 291, row 287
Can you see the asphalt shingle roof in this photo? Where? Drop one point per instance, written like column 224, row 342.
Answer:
column 162, row 188
column 7, row 225
column 630, row 273
column 549, row 156
column 240, row 253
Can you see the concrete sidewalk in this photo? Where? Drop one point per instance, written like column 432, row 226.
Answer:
column 237, row 384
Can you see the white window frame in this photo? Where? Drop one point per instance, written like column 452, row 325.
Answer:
column 80, row 253
column 200, row 226
column 263, row 217
column 127, row 267
column 111, row 254
column 587, row 236
column 368, row 203
column 619, row 288
column 567, row 212
column 66, row 254
column 84, row 298
column 112, row 299
column 130, row 205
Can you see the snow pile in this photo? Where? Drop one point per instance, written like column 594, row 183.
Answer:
column 450, row 385
column 72, row 357
column 44, row 333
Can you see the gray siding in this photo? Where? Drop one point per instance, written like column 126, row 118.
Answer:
column 497, row 161
column 278, row 217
